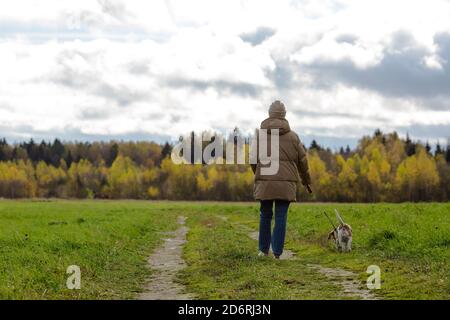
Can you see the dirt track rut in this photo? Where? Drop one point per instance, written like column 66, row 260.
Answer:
column 167, row 261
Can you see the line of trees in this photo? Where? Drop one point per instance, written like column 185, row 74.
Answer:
column 383, row 167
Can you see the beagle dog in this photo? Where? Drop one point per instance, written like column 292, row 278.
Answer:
column 342, row 235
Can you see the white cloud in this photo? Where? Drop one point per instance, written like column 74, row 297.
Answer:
column 110, row 68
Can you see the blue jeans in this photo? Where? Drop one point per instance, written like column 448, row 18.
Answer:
column 279, row 231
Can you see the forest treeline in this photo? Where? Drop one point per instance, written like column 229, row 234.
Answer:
column 382, row 167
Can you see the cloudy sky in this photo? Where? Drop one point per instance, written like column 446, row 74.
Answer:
column 109, row 69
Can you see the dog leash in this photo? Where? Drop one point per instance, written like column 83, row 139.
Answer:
column 334, row 228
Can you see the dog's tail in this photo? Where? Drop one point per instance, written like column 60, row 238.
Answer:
column 338, row 217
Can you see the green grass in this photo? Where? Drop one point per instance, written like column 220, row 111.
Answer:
column 409, row 242
column 223, row 265
column 110, row 241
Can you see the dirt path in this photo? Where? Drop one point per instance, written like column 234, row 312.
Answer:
column 351, row 285
column 167, row 261
column 346, row 279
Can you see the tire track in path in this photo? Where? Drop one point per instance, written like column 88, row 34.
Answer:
column 167, row 261
column 347, row 280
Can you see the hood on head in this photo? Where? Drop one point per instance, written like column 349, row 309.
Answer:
column 274, row 123
column 277, row 110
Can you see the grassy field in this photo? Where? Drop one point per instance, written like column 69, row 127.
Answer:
column 110, row 241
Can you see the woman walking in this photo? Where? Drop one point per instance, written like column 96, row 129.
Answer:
column 279, row 189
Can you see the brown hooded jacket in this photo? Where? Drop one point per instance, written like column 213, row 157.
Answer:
column 293, row 164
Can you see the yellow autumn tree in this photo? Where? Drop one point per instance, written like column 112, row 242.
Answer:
column 14, row 181
column 84, row 180
column 444, row 176
column 180, row 180
column 124, row 179
column 417, row 177
column 27, row 167
column 321, row 179
column 346, row 179
column 150, row 180
column 50, row 180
